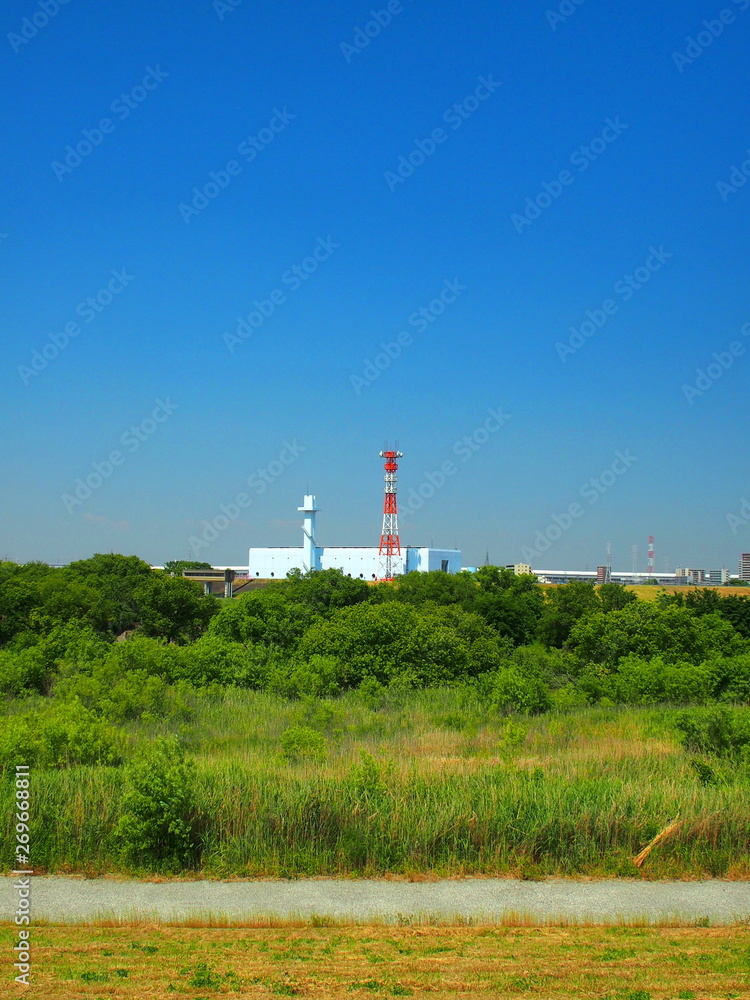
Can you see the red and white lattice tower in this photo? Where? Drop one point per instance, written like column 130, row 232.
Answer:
column 389, row 555
column 651, row 553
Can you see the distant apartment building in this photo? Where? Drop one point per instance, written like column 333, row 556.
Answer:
column 689, row 576
column 521, row 569
column 745, row 567
column 717, row 577
column 603, row 574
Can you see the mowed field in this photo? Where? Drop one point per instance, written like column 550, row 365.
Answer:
column 161, row 962
column 648, row 592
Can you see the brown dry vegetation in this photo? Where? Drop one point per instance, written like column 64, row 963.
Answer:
column 160, row 962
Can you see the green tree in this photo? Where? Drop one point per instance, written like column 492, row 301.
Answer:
column 176, row 566
column 647, row 630
column 734, row 608
column 18, row 598
column 563, row 607
column 323, row 590
column 614, row 596
column 435, row 587
column 511, row 604
column 263, row 616
column 424, row 646
column 173, row 608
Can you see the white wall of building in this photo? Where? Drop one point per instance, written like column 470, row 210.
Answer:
column 361, row 562
column 275, row 563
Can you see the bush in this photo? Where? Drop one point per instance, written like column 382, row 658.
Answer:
column 430, row 645
column 158, row 825
column 318, row 677
column 302, row 743
column 717, row 730
column 59, row 737
column 645, row 682
column 510, row 691
column 368, row 778
column 34, row 660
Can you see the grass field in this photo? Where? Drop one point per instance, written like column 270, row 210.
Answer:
column 161, row 962
column 449, row 789
column 648, row 592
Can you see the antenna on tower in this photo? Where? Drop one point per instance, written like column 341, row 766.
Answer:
column 609, row 563
column 389, row 554
column 651, row 554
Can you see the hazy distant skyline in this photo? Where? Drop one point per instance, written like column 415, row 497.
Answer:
column 244, row 245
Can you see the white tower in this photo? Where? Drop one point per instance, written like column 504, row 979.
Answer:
column 310, row 560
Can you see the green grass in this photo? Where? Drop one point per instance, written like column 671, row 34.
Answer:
column 449, row 789
column 442, row 962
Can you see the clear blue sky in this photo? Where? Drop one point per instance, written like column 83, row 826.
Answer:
column 317, row 125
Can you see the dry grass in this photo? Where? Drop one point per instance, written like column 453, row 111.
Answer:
column 648, row 592
column 160, row 962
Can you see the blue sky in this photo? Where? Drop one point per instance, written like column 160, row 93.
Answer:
column 189, row 167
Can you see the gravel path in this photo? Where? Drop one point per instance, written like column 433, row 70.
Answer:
column 65, row 899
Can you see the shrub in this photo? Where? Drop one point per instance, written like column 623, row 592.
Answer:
column 639, row 681
column 368, row 778
column 158, row 824
column 318, row 677
column 302, row 743
column 717, row 730
column 511, row 691
column 430, row 645
column 58, row 737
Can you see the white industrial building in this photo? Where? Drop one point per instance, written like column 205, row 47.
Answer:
column 361, row 562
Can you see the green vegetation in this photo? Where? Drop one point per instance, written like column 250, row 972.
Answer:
column 468, row 723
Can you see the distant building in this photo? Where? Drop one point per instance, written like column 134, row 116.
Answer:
column 745, row 566
column 521, row 569
column 689, row 576
column 603, row 574
column 717, row 577
column 358, row 561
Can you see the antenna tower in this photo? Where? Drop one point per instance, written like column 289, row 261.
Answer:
column 389, row 554
column 651, row 553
